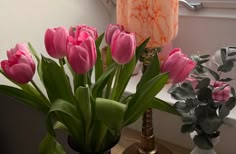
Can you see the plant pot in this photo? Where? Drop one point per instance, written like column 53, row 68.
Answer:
column 198, row 150
column 73, row 144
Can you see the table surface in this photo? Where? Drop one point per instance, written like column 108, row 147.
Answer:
column 130, row 136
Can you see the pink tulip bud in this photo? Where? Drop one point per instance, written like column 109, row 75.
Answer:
column 75, row 31
column 220, row 95
column 123, row 45
column 111, row 28
column 81, row 52
column 20, row 66
column 178, row 65
column 55, row 42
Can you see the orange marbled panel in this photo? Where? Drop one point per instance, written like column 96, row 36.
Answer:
column 157, row 19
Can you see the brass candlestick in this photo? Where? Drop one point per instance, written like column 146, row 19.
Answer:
column 147, row 144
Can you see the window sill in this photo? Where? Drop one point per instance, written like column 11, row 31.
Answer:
column 163, row 95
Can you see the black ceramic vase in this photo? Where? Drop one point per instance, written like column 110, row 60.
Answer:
column 73, row 144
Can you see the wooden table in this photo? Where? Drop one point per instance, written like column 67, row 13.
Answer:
column 130, row 136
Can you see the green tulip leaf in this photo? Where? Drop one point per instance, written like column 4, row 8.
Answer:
column 60, row 126
column 163, row 106
column 102, row 81
column 98, row 65
column 141, row 48
column 84, row 104
column 24, row 97
column 152, row 71
column 49, row 145
column 143, row 97
column 68, row 115
column 55, row 81
column 110, row 112
column 123, row 79
column 33, row 51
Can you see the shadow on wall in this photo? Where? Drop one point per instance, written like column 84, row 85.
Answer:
column 22, row 128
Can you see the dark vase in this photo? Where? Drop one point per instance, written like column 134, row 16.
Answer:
column 73, row 144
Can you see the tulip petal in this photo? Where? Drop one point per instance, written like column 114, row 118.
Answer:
column 89, row 44
column 48, row 41
column 78, row 59
column 122, row 46
column 21, row 73
column 178, row 65
column 59, row 41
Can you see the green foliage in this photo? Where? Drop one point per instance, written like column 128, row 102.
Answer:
column 50, row 146
column 24, row 97
column 143, row 97
column 99, row 65
column 55, row 81
column 110, row 112
column 199, row 111
column 68, row 115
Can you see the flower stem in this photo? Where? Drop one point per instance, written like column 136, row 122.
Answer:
column 61, row 61
column 114, row 91
column 108, row 88
column 85, row 78
column 103, row 132
column 41, row 93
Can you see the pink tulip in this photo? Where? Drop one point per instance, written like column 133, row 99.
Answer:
column 55, row 42
column 123, row 45
column 178, row 65
column 20, row 66
column 81, row 52
column 75, row 31
column 111, row 28
column 220, row 95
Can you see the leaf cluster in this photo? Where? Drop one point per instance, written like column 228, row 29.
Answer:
column 199, row 111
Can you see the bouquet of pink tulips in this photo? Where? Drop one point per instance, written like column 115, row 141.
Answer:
column 85, row 101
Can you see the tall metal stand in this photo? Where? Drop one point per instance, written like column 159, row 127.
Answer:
column 147, row 143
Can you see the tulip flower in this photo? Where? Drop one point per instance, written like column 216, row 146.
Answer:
column 81, row 52
column 123, row 45
column 55, row 42
column 111, row 28
column 220, row 95
column 76, row 31
column 178, row 65
column 20, row 66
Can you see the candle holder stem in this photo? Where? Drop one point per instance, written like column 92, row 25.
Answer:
column 147, row 143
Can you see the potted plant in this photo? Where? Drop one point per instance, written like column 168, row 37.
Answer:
column 206, row 98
